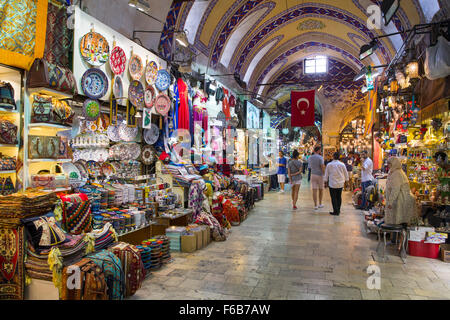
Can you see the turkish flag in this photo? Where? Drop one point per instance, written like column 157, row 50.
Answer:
column 302, row 108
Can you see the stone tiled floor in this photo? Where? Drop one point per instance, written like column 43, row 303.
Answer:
column 278, row 253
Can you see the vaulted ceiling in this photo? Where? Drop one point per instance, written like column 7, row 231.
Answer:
column 266, row 41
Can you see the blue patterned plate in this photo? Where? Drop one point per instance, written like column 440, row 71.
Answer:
column 94, row 83
column 163, row 80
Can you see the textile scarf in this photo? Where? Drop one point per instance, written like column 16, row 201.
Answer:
column 23, row 24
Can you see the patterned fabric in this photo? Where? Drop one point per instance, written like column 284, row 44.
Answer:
column 11, row 262
column 57, row 40
column 196, row 197
column 43, row 232
column 132, row 266
column 112, row 269
column 22, row 31
column 77, row 217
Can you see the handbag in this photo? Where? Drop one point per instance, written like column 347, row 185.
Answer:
column 48, row 75
column 8, row 132
column 7, row 96
column 46, row 181
column 6, row 186
column 7, row 163
column 41, row 108
column 62, row 113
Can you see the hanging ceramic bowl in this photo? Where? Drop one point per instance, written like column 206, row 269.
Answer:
column 151, row 72
column 149, row 96
column 163, row 80
column 127, row 133
column 94, row 83
column 162, row 104
column 91, row 110
column 113, row 133
column 118, row 89
column 151, row 135
column 94, row 49
column 148, row 155
column 117, row 60
column 136, row 94
column 135, row 67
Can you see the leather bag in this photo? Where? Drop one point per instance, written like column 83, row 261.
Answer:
column 48, row 75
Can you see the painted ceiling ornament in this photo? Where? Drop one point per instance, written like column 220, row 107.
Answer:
column 310, row 24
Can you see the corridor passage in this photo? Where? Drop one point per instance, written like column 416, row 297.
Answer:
column 278, row 253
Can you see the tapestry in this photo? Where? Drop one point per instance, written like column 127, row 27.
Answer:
column 22, row 31
column 57, row 40
column 11, row 262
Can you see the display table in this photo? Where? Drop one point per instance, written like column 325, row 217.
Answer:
column 180, row 220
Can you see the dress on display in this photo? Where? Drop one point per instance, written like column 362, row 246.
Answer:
column 183, row 108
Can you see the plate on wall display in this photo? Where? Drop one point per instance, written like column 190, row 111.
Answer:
column 135, row 67
column 117, row 60
column 151, row 72
column 74, row 175
column 94, row 83
column 94, row 49
column 149, row 96
column 162, row 104
column 136, row 94
column 151, row 135
column 163, row 80
column 148, row 155
column 127, row 133
column 91, row 110
column 108, row 169
column 113, row 133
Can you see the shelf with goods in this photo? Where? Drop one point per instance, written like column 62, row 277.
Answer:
column 14, row 77
column 33, row 166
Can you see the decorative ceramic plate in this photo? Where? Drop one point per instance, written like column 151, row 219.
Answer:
column 94, row 49
column 148, row 155
column 74, row 175
column 91, row 110
column 127, row 133
column 134, row 151
column 93, row 168
column 135, row 67
column 163, row 80
column 91, row 126
column 151, row 135
column 103, row 122
column 107, row 169
column 149, row 96
column 151, row 72
column 81, row 166
column 118, row 87
column 136, row 94
column 113, row 133
column 94, row 83
column 117, row 60
column 162, row 104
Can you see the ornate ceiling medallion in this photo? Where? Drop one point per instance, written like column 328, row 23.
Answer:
column 310, row 24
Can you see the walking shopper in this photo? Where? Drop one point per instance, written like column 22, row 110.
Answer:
column 305, row 162
column 295, row 176
column 348, row 161
column 336, row 175
column 281, row 170
column 317, row 166
column 366, row 177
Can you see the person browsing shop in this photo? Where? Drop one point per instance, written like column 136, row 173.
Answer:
column 317, row 166
column 282, row 161
column 336, row 175
column 366, row 177
column 295, row 176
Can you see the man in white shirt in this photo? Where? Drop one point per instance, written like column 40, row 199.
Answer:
column 336, row 175
column 366, row 177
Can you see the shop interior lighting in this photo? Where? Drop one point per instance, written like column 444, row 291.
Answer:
column 388, row 10
column 141, row 5
column 181, row 38
column 368, row 49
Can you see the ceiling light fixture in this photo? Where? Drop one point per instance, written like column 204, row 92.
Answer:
column 141, row 5
column 368, row 49
column 388, row 10
column 181, row 38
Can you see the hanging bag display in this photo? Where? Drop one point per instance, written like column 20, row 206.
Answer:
column 62, row 113
column 41, row 108
column 8, row 132
column 7, row 96
column 47, row 75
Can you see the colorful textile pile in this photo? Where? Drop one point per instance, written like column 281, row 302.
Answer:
column 146, row 257
column 112, row 269
column 31, row 203
column 76, row 213
column 165, row 248
column 155, row 252
column 103, row 237
column 132, row 266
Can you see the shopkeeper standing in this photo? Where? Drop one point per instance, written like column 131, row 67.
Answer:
column 282, row 162
column 366, row 176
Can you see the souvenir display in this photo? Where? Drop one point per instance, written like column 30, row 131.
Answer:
column 151, row 135
column 94, row 83
column 127, row 133
column 107, row 169
column 113, row 133
column 8, row 132
column 94, row 49
column 151, row 72
column 146, row 118
column 136, row 94
column 117, row 61
column 162, row 104
column 149, row 96
column 42, row 147
column 91, row 110
column 135, row 67
column 7, row 96
column 163, row 80
column 74, row 175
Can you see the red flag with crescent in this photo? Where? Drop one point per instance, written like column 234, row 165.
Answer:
column 302, row 108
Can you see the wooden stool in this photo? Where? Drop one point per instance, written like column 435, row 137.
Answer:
column 392, row 229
